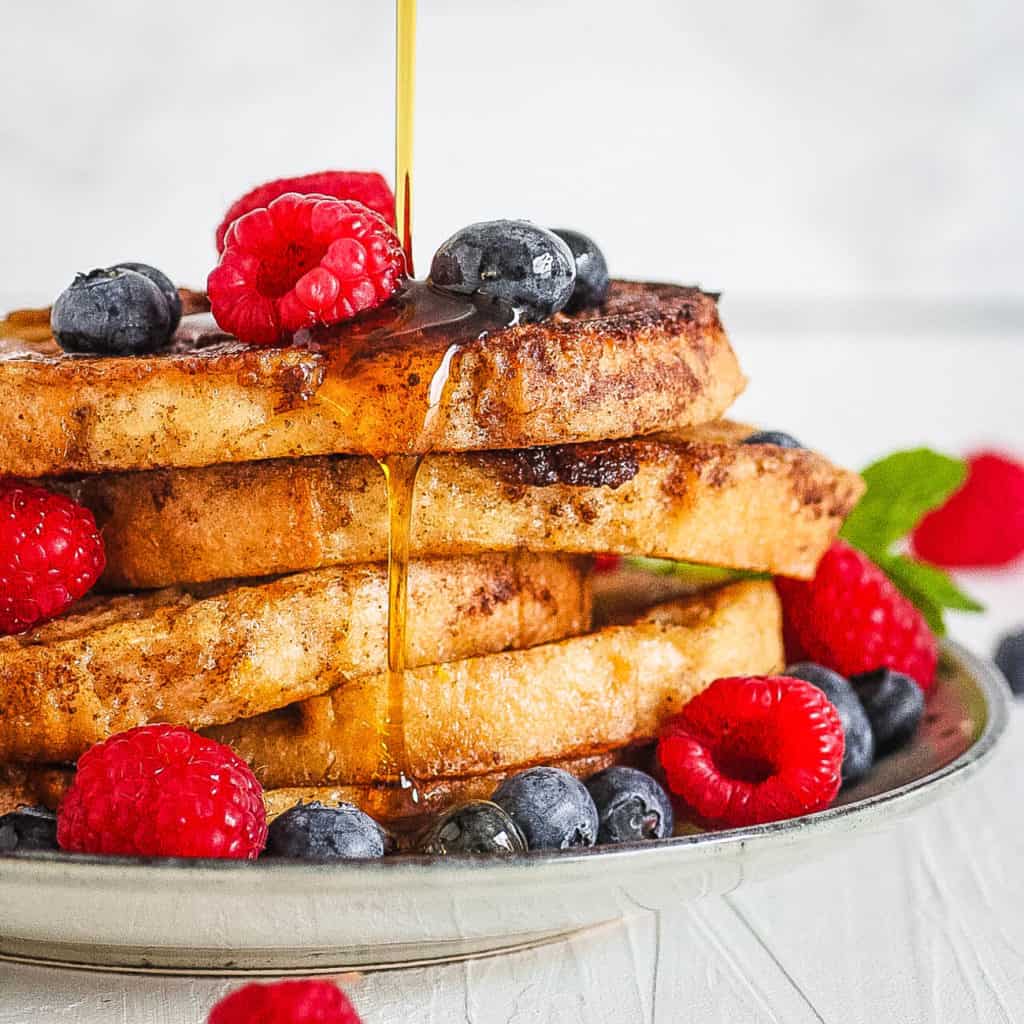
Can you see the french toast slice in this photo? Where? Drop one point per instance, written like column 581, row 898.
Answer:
column 574, row 698
column 213, row 654
column 654, row 357
column 704, row 498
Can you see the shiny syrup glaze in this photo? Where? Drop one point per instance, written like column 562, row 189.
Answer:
column 385, row 374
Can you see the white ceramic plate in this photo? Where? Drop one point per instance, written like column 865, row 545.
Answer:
column 277, row 917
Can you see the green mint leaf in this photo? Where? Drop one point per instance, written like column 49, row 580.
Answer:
column 928, row 587
column 901, row 488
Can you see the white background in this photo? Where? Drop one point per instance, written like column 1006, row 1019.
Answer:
column 793, row 148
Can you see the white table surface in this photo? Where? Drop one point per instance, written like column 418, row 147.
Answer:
column 924, row 923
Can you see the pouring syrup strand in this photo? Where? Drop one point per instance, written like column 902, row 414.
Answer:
column 405, row 82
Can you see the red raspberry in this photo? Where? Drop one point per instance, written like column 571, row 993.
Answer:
column 285, row 1002
column 983, row 522
column 751, row 750
column 163, row 791
column 851, row 618
column 51, row 554
column 366, row 187
column 300, row 262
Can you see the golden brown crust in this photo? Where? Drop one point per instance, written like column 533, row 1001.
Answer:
column 654, row 358
column 573, row 698
column 222, row 652
column 715, row 502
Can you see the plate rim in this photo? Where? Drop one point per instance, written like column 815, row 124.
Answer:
column 645, row 855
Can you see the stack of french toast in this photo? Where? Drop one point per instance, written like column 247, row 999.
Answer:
column 246, row 593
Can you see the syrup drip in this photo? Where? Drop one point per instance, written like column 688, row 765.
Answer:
column 400, row 476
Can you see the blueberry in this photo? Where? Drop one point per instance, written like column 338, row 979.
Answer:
column 894, row 704
column 164, row 283
column 477, row 827
column 775, row 437
column 512, row 263
column 630, row 806
column 1010, row 659
column 552, row 808
column 315, row 831
column 860, row 741
column 31, row 828
column 111, row 312
column 591, row 271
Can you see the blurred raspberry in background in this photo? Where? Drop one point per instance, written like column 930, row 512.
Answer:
column 982, row 524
